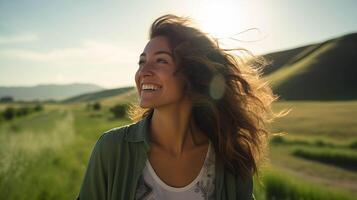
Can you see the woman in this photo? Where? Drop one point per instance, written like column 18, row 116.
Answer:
column 201, row 134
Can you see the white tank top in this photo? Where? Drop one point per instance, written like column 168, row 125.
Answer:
column 151, row 187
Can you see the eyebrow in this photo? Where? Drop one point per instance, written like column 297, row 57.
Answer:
column 158, row 52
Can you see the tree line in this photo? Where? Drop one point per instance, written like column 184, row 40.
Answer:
column 11, row 112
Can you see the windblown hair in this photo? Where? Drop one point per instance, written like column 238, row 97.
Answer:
column 231, row 101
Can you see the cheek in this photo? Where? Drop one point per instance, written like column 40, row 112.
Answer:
column 178, row 86
column 137, row 80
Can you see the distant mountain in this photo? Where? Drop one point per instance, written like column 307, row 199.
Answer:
column 96, row 96
column 323, row 71
column 48, row 91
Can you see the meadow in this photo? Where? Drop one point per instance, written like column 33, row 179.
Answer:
column 44, row 154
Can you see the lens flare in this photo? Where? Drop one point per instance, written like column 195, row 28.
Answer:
column 217, row 87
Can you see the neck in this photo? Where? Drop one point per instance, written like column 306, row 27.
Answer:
column 173, row 130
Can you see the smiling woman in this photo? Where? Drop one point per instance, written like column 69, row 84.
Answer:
column 154, row 79
column 201, row 129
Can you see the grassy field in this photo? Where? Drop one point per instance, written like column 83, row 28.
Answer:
column 44, row 154
column 326, row 132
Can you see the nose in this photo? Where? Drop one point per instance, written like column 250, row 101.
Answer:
column 145, row 70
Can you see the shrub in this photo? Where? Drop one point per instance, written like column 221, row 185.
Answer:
column 9, row 113
column 38, row 107
column 277, row 140
column 119, row 110
column 96, row 106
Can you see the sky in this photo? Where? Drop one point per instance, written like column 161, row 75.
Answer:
column 99, row 42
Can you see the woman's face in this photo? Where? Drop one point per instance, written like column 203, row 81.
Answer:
column 155, row 80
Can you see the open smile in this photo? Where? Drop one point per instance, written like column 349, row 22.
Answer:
column 150, row 87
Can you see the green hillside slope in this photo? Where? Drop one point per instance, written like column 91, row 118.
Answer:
column 280, row 58
column 95, row 96
column 327, row 71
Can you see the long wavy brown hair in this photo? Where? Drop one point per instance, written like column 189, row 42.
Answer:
column 231, row 102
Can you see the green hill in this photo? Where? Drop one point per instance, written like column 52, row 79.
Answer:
column 324, row 71
column 281, row 58
column 95, row 96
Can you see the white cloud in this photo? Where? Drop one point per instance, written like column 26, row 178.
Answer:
column 90, row 52
column 22, row 38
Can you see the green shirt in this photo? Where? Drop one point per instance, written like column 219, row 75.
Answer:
column 118, row 159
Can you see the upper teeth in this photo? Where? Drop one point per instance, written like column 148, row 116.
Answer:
column 150, row 86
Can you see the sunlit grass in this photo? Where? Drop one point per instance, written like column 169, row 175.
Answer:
column 312, row 119
column 282, row 185
column 44, row 155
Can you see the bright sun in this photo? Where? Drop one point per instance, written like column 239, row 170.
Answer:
column 221, row 19
column 236, row 23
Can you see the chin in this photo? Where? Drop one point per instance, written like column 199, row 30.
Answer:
column 146, row 105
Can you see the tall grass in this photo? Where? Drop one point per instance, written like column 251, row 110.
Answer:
column 29, row 152
column 281, row 186
column 44, row 156
column 341, row 158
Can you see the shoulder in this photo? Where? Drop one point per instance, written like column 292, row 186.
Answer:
column 113, row 135
column 119, row 143
column 117, row 135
